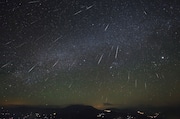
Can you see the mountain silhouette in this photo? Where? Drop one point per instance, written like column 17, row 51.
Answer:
column 79, row 112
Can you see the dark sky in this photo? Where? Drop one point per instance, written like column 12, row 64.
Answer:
column 103, row 53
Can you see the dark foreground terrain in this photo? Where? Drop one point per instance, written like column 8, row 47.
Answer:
column 83, row 112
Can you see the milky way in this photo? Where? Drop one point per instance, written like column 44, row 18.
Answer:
column 100, row 53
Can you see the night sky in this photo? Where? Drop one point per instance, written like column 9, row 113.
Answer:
column 103, row 53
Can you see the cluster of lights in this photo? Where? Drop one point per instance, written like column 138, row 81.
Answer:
column 6, row 114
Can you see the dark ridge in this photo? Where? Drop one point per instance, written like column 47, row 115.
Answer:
column 86, row 112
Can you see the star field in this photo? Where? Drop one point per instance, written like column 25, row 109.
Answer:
column 112, row 53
